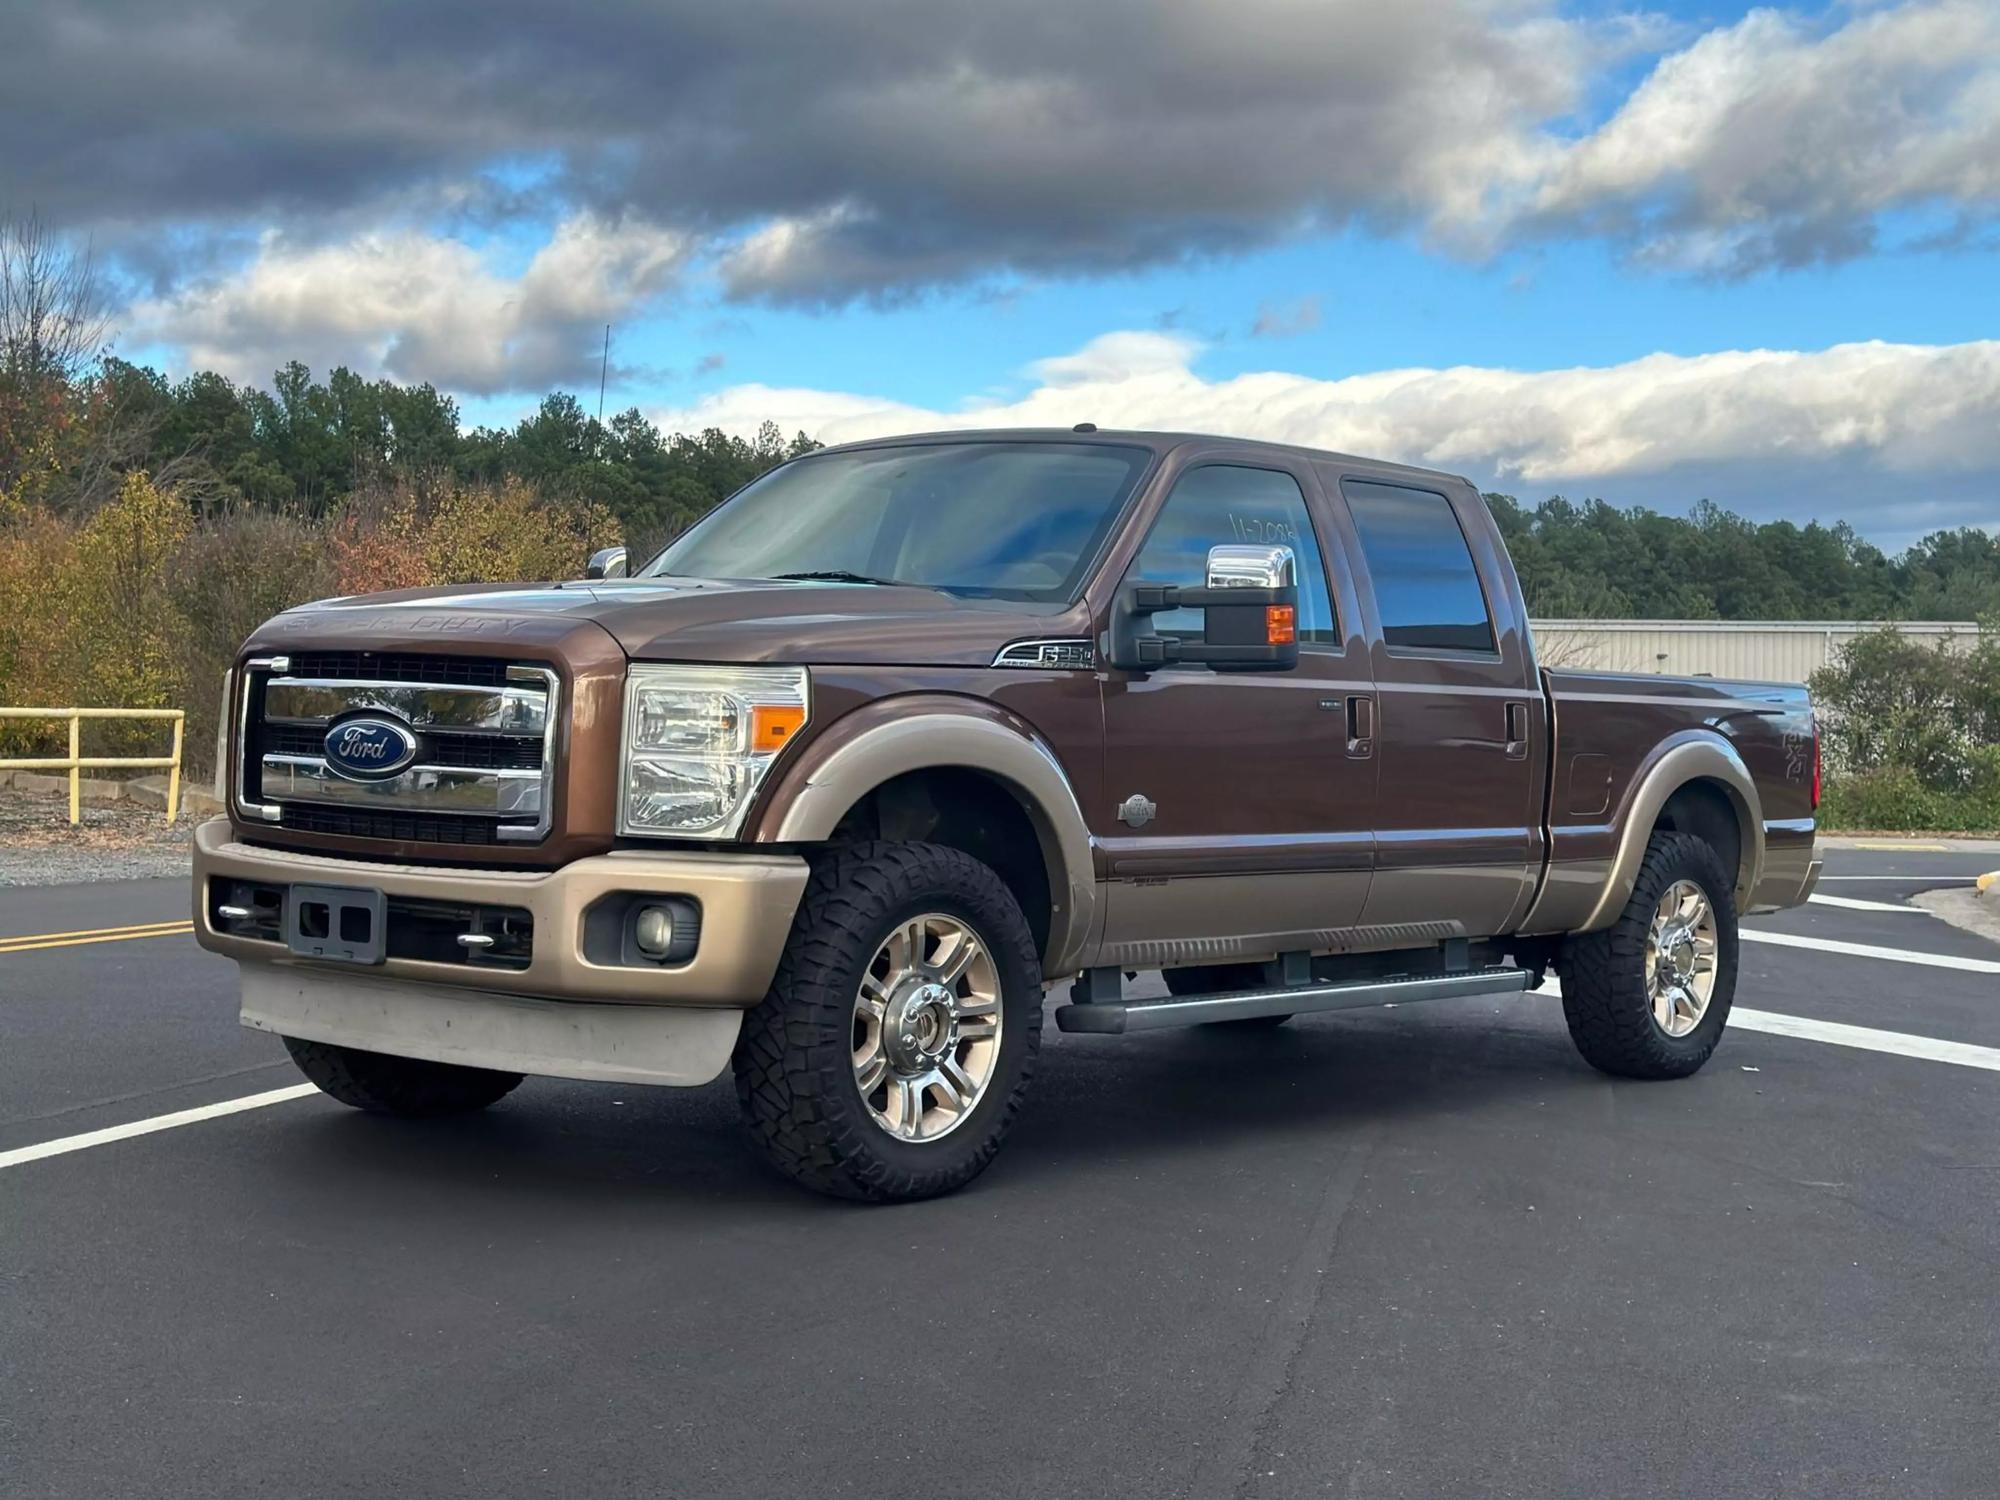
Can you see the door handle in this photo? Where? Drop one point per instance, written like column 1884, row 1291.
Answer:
column 1360, row 725
column 1517, row 731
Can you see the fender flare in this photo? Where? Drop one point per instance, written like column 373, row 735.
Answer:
column 1696, row 755
column 934, row 731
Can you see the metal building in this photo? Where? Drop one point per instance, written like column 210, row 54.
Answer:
column 1760, row 650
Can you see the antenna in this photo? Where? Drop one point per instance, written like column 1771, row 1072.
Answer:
column 603, row 370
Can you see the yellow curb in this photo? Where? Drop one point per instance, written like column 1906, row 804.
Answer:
column 1987, row 882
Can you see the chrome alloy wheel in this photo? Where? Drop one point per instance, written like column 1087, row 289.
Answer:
column 927, row 1028
column 1680, row 958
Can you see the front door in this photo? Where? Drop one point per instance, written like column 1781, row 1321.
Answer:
column 1236, row 804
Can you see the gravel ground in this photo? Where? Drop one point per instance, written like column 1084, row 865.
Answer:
column 116, row 841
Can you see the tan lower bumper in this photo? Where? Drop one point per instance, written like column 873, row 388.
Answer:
column 682, row 1046
column 747, row 903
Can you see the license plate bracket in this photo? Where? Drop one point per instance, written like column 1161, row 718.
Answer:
column 344, row 923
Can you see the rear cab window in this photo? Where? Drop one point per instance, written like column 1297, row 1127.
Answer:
column 1427, row 589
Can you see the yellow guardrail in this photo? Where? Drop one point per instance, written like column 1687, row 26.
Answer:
column 76, row 762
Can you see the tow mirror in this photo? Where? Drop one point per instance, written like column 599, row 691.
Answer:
column 1239, row 567
column 1250, row 615
column 608, row 562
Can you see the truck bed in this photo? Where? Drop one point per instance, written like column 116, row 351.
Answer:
column 1611, row 729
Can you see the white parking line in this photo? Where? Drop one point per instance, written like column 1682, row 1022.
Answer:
column 1899, row 1043
column 1870, row 950
column 1854, row 904
column 1909, row 879
column 1867, row 1038
column 125, row 1132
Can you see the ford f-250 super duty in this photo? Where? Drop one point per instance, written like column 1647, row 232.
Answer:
column 837, row 784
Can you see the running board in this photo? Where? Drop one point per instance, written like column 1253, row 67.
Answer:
column 1116, row 1017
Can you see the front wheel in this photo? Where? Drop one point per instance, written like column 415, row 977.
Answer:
column 894, row 1048
column 1648, row 996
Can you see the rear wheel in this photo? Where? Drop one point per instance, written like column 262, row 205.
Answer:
column 895, row 1046
column 1648, row 996
column 407, row 1087
column 1209, row 979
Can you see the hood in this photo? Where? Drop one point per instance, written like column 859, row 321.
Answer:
column 692, row 619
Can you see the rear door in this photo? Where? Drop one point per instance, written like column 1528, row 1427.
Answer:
column 1238, row 813
column 1461, row 732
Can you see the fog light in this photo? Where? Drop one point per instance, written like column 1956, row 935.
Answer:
column 653, row 930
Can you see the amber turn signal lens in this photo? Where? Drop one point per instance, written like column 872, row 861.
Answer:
column 772, row 725
column 1281, row 624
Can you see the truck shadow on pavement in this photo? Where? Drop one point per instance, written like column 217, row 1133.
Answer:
column 1097, row 1106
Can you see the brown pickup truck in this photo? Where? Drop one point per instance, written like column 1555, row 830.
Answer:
column 837, row 785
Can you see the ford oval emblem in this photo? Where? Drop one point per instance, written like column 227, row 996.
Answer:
column 369, row 749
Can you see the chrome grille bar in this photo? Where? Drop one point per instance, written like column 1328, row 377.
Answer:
column 441, row 709
column 308, row 778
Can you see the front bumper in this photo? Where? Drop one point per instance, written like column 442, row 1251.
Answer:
column 747, row 903
column 672, row 1046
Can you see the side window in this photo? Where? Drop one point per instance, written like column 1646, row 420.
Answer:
column 1425, row 584
column 1221, row 504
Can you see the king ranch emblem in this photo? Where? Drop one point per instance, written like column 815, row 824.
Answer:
column 369, row 749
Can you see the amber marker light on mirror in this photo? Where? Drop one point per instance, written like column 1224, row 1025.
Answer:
column 1281, row 624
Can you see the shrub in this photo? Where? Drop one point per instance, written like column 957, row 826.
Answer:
column 1909, row 734
column 1894, row 800
column 411, row 537
column 236, row 570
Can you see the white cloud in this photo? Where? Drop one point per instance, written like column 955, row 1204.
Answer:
column 419, row 307
column 1872, row 418
column 1771, row 142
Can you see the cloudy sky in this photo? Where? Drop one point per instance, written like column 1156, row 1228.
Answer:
column 1652, row 254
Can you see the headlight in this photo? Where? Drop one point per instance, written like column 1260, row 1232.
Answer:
column 698, row 741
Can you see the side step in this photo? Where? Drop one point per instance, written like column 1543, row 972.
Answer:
column 1116, row 1017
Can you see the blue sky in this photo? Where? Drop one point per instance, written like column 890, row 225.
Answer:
column 1650, row 252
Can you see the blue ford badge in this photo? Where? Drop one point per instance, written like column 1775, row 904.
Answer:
column 369, row 749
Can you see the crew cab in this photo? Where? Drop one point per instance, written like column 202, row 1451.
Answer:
column 833, row 790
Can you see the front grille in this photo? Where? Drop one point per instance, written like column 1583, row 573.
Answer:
column 398, row 666
column 477, row 775
column 405, row 828
column 476, row 752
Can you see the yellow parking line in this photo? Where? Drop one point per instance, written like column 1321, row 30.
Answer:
column 43, row 937
column 32, row 941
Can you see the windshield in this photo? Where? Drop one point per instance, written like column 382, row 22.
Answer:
column 1001, row 520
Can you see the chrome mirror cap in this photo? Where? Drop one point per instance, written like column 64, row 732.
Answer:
column 1237, row 566
column 608, row 562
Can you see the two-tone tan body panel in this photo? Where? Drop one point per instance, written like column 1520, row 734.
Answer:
column 746, row 901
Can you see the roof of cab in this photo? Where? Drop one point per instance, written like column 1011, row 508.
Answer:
column 1158, row 442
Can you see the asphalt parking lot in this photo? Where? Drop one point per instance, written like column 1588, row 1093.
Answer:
column 1419, row 1252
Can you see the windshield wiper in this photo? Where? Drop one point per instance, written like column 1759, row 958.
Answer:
column 834, row 575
